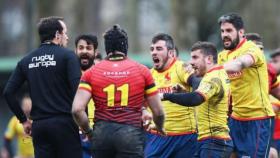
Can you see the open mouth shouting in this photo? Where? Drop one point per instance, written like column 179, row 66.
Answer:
column 84, row 58
column 156, row 61
column 227, row 41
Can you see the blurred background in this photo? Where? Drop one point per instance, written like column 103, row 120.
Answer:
column 186, row 20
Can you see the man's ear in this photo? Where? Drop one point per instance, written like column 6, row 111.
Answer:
column 57, row 35
column 209, row 59
column 171, row 53
column 241, row 32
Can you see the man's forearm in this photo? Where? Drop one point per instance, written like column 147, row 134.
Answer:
column 239, row 63
column 81, row 119
column 159, row 120
column 233, row 66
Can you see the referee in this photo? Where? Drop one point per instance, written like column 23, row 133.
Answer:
column 52, row 73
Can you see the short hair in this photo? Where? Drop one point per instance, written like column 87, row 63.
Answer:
column 48, row 26
column 253, row 36
column 90, row 39
column 165, row 37
column 275, row 53
column 115, row 39
column 232, row 18
column 207, row 48
column 256, row 38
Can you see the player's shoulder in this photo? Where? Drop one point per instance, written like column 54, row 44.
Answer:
column 222, row 53
column 67, row 52
column 13, row 120
column 179, row 62
column 250, row 46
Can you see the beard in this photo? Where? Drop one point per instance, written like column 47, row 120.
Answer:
column 85, row 66
column 233, row 44
column 200, row 71
column 164, row 62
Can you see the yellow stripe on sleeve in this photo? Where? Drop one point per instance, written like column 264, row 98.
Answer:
column 151, row 90
column 85, row 86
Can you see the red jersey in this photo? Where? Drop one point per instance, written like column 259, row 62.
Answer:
column 272, row 77
column 118, row 90
column 273, row 82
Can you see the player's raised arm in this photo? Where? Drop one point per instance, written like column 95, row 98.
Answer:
column 239, row 63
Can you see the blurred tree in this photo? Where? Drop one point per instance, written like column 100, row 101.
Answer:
column 131, row 19
column 13, row 27
column 31, row 17
column 184, row 27
column 93, row 13
column 47, row 7
column 197, row 20
column 88, row 17
column 186, row 20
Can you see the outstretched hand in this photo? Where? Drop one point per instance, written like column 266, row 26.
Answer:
column 178, row 89
column 146, row 118
column 147, row 123
column 160, row 131
column 188, row 68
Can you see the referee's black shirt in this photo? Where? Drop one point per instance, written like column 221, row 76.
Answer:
column 52, row 73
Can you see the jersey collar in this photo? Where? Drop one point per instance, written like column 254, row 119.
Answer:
column 238, row 46
column 215, row 68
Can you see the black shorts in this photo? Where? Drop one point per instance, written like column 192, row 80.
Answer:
column 117, row 140
column 56, row 137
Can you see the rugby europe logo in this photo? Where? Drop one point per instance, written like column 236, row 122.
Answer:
column 42, row 61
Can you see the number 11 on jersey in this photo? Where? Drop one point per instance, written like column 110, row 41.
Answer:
column 111, row 93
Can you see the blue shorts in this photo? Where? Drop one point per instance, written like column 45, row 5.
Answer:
column 170, row 146
column 214, row 148
column 251, row 138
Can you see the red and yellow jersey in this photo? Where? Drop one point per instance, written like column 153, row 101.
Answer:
column 24, row 141
column 118, row 90
column 178, row 119
column 90, row 111
column 212, row 113
column 249, row 87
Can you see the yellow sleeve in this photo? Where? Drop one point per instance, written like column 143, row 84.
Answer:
column 221, row 57
column 11, row 128
column 256, row 54
column 208, row 88
column 183, row 75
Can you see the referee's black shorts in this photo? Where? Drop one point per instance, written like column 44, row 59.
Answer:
column 56, row 137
